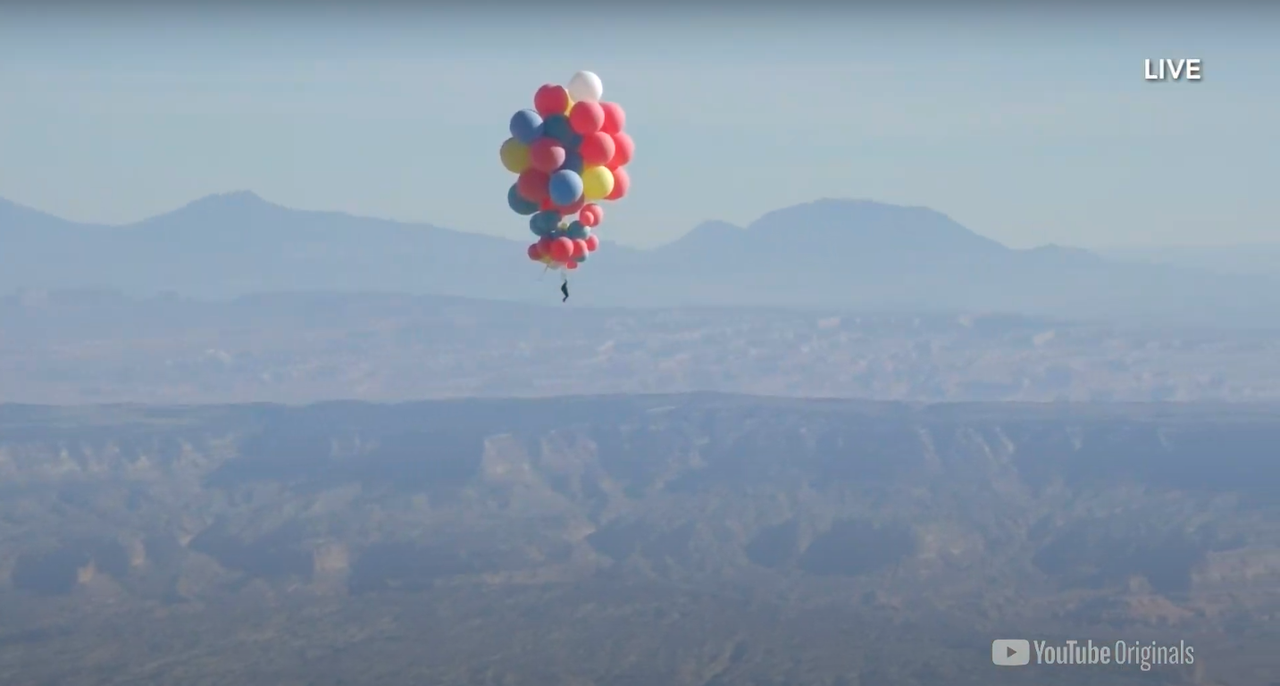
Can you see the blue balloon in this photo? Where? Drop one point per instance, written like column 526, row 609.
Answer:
column 572, row 162
column 544, row 223
column 580, row 258
column 557, row 126
column 577, row 231
column 565, row 187
column 526, row 126
column 518, row 203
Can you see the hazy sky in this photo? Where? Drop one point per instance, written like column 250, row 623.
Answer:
column 1029, row 128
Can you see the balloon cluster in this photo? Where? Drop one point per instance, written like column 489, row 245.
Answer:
column 568, row 152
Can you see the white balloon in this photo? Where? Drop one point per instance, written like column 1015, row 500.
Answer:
column 585, row 87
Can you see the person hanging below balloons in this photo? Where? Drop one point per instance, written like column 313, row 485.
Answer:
column 568, row 153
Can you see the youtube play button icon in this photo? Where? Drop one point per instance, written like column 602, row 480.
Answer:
column 1010, row 652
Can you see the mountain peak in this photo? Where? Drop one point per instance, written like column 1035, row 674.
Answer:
column 865, row 226
column 235, row 207
column 849, row 206
column 231, row 199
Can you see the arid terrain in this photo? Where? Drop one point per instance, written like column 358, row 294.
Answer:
column 684, row 539
column 78, row 347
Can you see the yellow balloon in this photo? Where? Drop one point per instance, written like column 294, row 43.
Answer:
column 515, row 155
column 597, row 182
column 568, row 108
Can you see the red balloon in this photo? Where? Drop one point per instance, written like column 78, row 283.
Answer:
column 546, row 204
column 570, row 265
column 591, row 215
column 544, row 247
column 532, row 185
column 576, row 207
column 586, row 117
column 580, row 248
column 621, row 182
column 597, row 148
column 593, row 243
column 535, row 252
column 614, row 118
column 622, row 155
column 561, row 249
column 551, row 99
column 546, row 154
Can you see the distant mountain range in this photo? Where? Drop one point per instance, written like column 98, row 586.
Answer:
column 828, row 253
